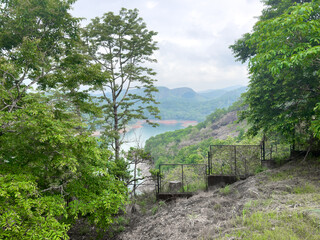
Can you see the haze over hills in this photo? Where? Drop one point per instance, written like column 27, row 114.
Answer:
column 189, row 93
column 186, row 104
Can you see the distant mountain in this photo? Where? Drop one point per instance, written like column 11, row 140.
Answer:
column 175, row 94
column 186, row 104
column 212, row 94
column 215, row 93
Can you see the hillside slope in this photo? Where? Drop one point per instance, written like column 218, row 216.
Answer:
column 282, row 203
column 190, row 145
column 186, row 104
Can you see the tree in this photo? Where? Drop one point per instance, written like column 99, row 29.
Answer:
column 243, row 49
column 50, row 174
column 275, row 8
column 122, row 45
column 51, row 170
column 34, row 38
column 40, row 47
column 283, row 54
column 137, row 156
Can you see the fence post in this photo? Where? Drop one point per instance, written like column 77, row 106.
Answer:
column 209, row 163
column 159, row 185
column 158, row 189
column 206, row 179
column 263, row 149
column 182, row 178
column 245, row 167
column 235, row 160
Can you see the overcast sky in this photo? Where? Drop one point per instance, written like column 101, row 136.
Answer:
column 193, row 37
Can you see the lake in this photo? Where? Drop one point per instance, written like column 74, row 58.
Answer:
column 140, row 132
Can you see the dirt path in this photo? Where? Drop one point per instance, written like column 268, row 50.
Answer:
column 212, row 214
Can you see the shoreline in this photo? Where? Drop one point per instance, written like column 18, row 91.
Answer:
column 139, row 124
column 184, row 123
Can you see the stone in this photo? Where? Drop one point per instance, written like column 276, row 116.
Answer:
column 175, row 186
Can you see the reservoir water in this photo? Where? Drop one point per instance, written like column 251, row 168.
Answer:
column 140, row 132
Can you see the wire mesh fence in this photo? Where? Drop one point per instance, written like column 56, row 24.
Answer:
column 221, row 160
column 276, row 151
column 248, row 158
column 238, row 160
column 182, row 178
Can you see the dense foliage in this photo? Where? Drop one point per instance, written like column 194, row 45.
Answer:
column 50, row 174
column 52, row 171
column 283, row 53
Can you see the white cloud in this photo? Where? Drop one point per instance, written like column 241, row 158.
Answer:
column 193, row 36
column 151, row 4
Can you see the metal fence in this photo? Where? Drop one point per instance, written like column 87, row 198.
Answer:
column 182, row 178
column 238, row 160
column 275, row 151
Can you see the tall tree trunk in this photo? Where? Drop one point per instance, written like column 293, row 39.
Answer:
column 116, row 129
column 135, row 177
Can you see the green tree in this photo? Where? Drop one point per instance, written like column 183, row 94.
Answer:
column 243, row 49
column 274, row 8
column 122, row 45
column 136, row 156
column 34, row 39
column 40, row 47
column 283, row 54
column 51, row 170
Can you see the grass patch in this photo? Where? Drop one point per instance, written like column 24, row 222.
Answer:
column 217, row 207
column 307, row 188
column 195, row 186
column 280, row 176
column 275, row 225
column 226, row 190
column 145, row 201
column 155, row 208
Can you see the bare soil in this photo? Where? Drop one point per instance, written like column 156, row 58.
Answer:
column 222, row 128
column 210, row 215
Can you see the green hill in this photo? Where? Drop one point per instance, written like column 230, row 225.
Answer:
column 190, row 145
column 186, row 104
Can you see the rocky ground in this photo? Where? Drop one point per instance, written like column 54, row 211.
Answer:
column 215, row 214
column 222, row 128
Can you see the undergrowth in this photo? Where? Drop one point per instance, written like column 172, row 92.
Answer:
column 275, row 225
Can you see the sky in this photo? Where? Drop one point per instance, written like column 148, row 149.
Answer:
column 193, row 37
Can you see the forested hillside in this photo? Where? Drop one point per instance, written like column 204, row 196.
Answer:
column 186, row 104
column 190, row 145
